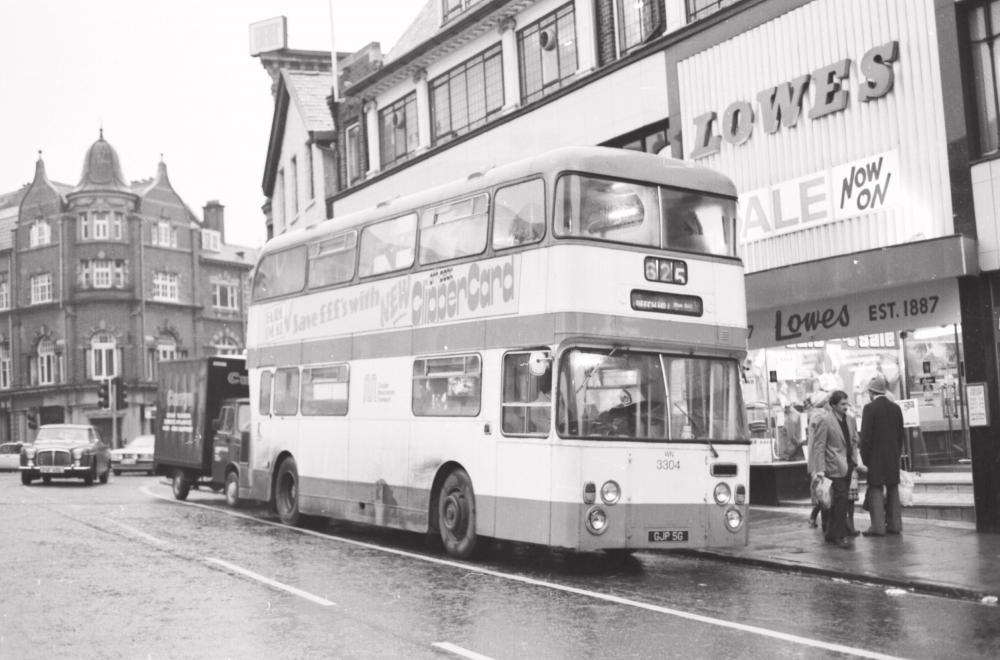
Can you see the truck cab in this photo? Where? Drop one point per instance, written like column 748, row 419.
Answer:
column 231, row 449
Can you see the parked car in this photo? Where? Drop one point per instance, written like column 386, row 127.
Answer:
column 64, row 451
column 10, row 455
column 136, row 456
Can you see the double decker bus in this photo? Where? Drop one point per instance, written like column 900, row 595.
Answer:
column 546, row 352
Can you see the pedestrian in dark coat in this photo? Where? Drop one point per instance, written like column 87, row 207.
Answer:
column 882, row 438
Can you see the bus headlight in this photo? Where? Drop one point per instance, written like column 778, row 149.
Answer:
column 722, row 493
column 597, row 520
column 611, row 492
column 734, row 519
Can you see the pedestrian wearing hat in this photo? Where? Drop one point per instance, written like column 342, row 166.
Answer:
column 882, row 438
column 834, row 454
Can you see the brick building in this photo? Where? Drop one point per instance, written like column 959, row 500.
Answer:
column 106, row 279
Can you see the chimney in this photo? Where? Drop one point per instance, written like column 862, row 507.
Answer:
column 214, row 214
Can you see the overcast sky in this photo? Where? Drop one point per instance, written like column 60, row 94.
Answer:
column 162, row 76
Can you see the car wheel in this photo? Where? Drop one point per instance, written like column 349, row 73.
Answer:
column 181, row 486
column 46, row 480
column 456, row 515
column 286, row 492
column 26, row 479
column 91, row 476
column 233, row 488
column 118, row 473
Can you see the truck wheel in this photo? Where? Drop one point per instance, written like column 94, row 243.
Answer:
column 286, row 493
column 456, row 506
column 26, row 479
column 233, row 488
column 181, row 486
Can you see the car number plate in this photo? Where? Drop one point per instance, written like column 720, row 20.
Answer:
column 666, row 535
column 52, row 469
column 128, row 461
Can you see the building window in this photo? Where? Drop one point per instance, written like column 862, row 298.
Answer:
column 118, row 226
column 398, row 130
column 624, row 25
column 278, row 203
column 453, row 8
column 210, row 240
column 166, row 350
column 651, row 139
column 103, row 349
column 293, row 186
column 4, row 291
column 5, row 366
column 984, row 45
column 224, row 297
column 101, row 225
column 164, row 234
column 41, row 288
column 698, row 9
column 227, row 346
column 47, row 363
column 102, row 274
column 465, row 97
column 40, row 233
column 547, row 53
column 311, row 173
column 355, row 162
column 165, row 287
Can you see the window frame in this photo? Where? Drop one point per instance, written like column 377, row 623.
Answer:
column 565, row 15
column 472, row 367
column 342, row 376
column 391, row 129
column 103, row 356
column 456, row 83
column 41, row 288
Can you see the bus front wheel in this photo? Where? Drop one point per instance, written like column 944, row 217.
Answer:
column 457, row 515
column 232, row 488
column 286, row 493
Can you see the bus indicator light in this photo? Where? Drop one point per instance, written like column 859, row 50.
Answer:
column 668, row 271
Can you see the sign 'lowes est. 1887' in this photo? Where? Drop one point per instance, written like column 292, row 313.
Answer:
column 847, row 190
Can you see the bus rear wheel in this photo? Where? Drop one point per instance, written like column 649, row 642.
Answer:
column 286, row 493
column 456, row 509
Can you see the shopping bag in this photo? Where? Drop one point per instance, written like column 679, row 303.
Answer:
column 853, row 496
column 905, row 488
column 821, row 492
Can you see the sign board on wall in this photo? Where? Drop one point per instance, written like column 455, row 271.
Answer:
column 847, row 190
column 979, row 411
column 919, row 305
column 911, row 412
column 268, row 35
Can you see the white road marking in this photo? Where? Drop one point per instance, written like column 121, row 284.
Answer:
column 271, row 583
column 138, row 532
column 458, row 650
column 690, row 616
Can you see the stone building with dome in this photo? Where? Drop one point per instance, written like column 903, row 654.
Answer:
column 107, row 279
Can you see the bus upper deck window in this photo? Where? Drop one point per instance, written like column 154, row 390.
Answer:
column 519, row 214
column 603, row 209
column 699, row 222
column 280, row 273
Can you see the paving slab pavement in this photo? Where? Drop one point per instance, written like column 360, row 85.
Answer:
column 930, row 556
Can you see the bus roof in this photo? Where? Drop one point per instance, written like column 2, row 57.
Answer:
column 604, row 161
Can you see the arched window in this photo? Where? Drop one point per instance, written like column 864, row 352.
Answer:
column 226, row 346
column 103, row 353
column 47, row 362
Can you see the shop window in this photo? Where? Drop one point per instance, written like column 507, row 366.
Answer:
column 465, row 97
column 983, row 26
column 547, row 53
column 447, row 386
column 398, row 130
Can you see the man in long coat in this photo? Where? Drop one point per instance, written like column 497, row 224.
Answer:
column 882, row 438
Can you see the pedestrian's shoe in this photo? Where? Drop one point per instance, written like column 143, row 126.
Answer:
column 896, row 533
column 844, row 543
column 871, row 533
column 812, row 523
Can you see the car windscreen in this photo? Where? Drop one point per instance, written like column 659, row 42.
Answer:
column 62, row 436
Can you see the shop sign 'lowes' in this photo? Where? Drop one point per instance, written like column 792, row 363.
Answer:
column 781, row 105
column 845, row 191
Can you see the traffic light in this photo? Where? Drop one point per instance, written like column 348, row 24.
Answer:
column 103, row 400
column 32, row 419
column 121, row 394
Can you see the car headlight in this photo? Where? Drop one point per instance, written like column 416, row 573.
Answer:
column 145, row 457
column 597, row 520
column 734, row 519
column 611, row 492
column 722, row 493
column 29, row 452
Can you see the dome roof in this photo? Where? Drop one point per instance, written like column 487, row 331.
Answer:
column 101, row 168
